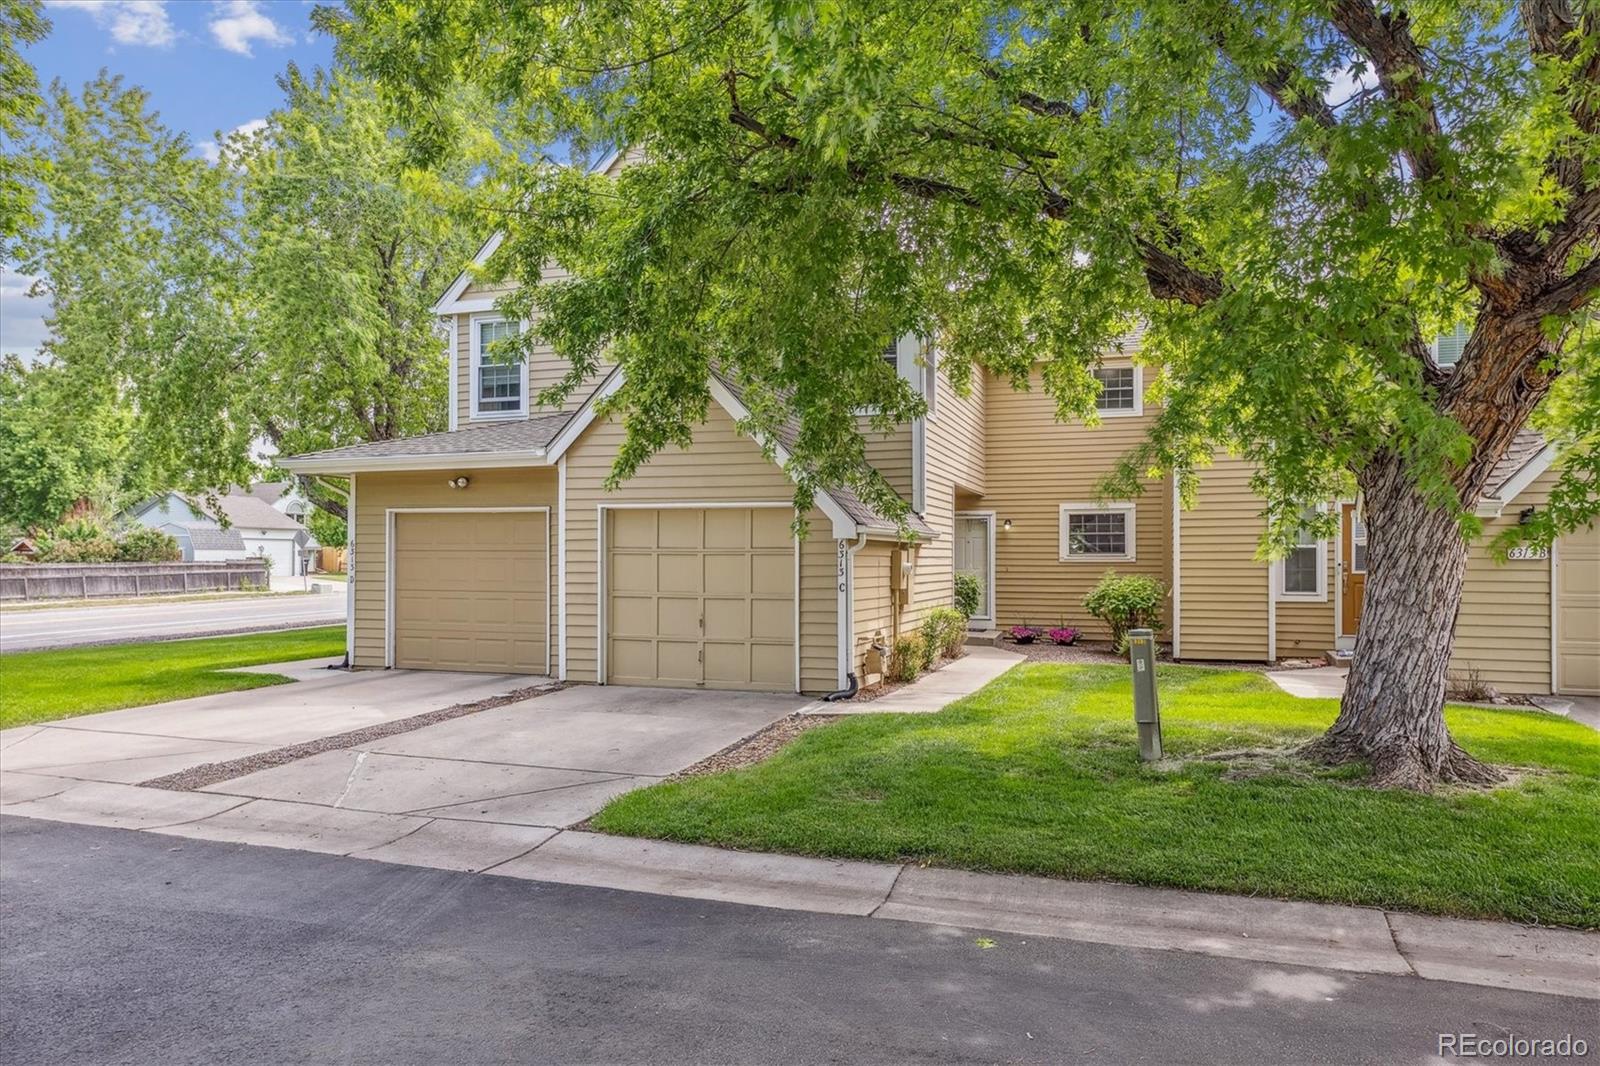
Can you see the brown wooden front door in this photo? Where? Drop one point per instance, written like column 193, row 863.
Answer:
column 1353, row 531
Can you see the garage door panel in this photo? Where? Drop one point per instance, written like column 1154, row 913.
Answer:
column 1578, row 612
column 471, row 591
column 723, row 608
column 727, row 528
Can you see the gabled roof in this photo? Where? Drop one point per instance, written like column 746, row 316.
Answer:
column 1524, row 450
column 247, row 512
column 499, row 444
column 268, row 491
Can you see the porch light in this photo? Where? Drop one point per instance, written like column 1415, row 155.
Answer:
column 458, row 482
column 1006, row 525
column 1526, row 516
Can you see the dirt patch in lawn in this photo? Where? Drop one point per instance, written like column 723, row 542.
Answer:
column 212, row 773
column 757, row 747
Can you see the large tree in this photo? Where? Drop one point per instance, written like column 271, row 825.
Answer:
column 1294, row 195
column 279, row 293
column 22, row 23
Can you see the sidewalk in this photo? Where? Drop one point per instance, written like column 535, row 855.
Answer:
column 1327, row 682
column 934, row 691
column 1324, row 936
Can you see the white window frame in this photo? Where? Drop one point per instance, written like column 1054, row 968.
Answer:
column 1126, row 507
column 475, row 355
column 1138, row 390
column 1280, row 576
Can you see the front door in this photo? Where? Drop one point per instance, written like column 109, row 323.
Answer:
column 1354, row 533
column 973, row 534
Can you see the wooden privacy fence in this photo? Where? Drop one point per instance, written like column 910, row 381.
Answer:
column 26, row 582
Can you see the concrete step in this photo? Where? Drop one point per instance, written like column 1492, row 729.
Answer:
column 983, row 638
column 1339, row 656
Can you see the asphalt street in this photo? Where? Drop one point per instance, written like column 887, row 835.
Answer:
column 130, row 947
column 68, row 627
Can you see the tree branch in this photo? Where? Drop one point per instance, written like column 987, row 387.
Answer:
column 1386, row 39
column 1570, row 293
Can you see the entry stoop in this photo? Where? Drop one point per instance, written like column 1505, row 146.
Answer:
column 983, row 638
column 1339, row 656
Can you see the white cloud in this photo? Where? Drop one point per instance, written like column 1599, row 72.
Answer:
column 212, row 150
column 237, row 23
column 1346, row 83
column 142, row 22
column 22, row 326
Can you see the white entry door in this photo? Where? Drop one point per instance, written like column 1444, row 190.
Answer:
column 974, row 555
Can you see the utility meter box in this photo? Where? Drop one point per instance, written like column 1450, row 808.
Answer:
column 1146, row 703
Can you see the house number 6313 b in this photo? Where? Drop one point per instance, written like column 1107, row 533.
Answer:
column 1526, row 551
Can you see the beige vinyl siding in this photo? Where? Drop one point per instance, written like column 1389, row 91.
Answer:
column 723, row 466
column 1036, row 464
column 955, row 465
column 889, row 454
column 1305, row 629
column 874, row 600
column 1223, row 588
column 1503, row 630
column 377, row 493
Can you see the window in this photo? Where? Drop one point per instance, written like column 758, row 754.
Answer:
column 1447, row 347
column 1302, row 573
column 498, row 389
column 1096, row 532
column 1358, row 544
column 1121, row 389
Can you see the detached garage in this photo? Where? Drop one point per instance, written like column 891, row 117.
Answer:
column 700, row 597
column 470, row 590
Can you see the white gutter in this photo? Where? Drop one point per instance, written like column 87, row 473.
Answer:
column 345, row 467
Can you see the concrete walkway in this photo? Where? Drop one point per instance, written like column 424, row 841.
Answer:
column 1327, row 682
column 934, row 691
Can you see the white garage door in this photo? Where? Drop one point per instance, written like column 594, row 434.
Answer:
column 1578, row 612
column 281, row 552
column 471, row 591
column 700, row 598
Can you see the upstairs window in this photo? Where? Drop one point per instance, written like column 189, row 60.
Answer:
column 1447, row 347
column 1097, row 532
column 1121, row 391
column 499, row 389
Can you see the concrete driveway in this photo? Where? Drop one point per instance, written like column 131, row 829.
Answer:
column 550, row 761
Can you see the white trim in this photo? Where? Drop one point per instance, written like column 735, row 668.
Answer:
column 561, row 568
column 350, row 578
column 1177, row 569
column 846, row 613
column 1555, row 627
column 352, row 465
column 1527, row 475
column 584, row 416
column 919, row 466
column 389, row 515
column 450, row 302
column 475, row 364
column 1272, row 618
column 677, row 505
column 1138, row 389
column 1280, row 573
column 1127, row 507
column 988, row 583
column 1338, row 577
column 455, row 369
column 843, row 524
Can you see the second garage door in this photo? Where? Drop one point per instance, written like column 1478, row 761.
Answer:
column 471, row 591
column 700, row 598
column 1578, row 612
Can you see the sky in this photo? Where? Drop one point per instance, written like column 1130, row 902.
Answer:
column 210, row 67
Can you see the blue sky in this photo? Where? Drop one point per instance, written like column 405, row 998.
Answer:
column 209, row 65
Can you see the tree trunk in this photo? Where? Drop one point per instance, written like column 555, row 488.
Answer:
column 1392, row 714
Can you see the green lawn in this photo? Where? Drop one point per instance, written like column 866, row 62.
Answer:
column 1039, row 773
column 41, row 686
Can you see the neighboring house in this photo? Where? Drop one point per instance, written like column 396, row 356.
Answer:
column 283, row 497
column 494, row 546
column 255, row 527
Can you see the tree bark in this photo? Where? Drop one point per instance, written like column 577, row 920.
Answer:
column 1392, row 713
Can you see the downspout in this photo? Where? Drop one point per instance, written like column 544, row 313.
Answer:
column 847, row 619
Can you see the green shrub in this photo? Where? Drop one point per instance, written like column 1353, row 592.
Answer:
column 969, row 594
column 948, row 630
column 905, row 660
column 1126, row 602
column 928, row 644
column 142, row 544
column 78, row 549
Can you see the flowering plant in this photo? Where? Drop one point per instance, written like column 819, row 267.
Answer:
column 1024, row 634
column 1062, row 634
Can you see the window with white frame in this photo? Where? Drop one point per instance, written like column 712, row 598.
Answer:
column 1302, row 574
column 1097, row 531
column 498, row 388
column 1119, row 390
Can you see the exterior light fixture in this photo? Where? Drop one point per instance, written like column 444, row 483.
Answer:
column 1006, row 525
column 1526, row 516
column 458, row 482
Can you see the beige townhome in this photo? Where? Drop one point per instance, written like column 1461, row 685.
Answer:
column 494, row 546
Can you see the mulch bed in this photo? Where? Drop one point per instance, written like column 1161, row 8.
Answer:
column 758, row 746
column 197, row 777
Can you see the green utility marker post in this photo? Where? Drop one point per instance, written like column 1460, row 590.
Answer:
column 1146, row 706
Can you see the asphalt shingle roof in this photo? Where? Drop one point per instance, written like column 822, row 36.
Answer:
column 247, row 512
column 1524, row 446
column 536, row 431
column 214, row 539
